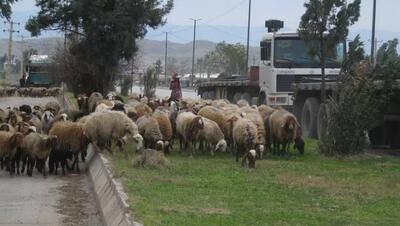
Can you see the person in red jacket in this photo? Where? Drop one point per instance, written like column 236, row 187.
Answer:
column 175, row 87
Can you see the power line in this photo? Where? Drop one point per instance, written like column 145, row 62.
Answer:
column 226, row 12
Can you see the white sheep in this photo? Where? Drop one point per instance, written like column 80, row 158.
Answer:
column 212, row 134
column 106, row 126
column 283, row 126
column 188, row 125
column 244, row 135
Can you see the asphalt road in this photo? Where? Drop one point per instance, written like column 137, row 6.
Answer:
column 162, row 92
column 55, row 200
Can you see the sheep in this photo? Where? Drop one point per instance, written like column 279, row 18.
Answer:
column 37, row 91
column 73, row 114
column 53, row 106
column 36, row 122
column 217, row 116
column 173, row 114
column 9, row 142
column 102, row 107
column 188, row 125
column 118, row 106
column 299, row 143
column 265, row 111
column 58, row 118
column 243, row 103
column 14, row 117
column 150, row 131
column 132, row 113
column 253, row 115
column 3, row 115
column 212, row 134
column 25, row 108
column 83, row 104
column 47, row 118
column 107, row 102
column 55, row 91
column 37, row 147
column 244, row 134
column 92, row 101
column 7, row 127
column 143, row 109
column 249, row 159
column 70, row 138
column 162, row 118
column 106, row 126
column 283, row 126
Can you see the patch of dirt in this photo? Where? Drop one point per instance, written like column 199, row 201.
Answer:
column 196, row 210
column 77, row 203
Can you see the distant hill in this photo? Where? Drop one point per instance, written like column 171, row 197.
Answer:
column 149, row 50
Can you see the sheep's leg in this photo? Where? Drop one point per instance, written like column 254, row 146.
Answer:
column 63, row 163
column 30, row 166
column 43, row 167
column 237, row 153
column 76, row 160
column 83, row 155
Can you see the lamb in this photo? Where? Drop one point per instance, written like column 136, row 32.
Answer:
column 37, row 147
column 212, row 134
column 150, row 131
column 249, row 159
column 9, row 142
column 111, row 125
column 283, row 125
column 244, row 134
column 188, row 125
column 53, row 106
column 37, row 91
column 70, row 137
column 93, row 99
column 162, row 118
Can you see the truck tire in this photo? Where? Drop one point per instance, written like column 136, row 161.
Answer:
column 247, row 97
column 309, row 117
column 237, row 97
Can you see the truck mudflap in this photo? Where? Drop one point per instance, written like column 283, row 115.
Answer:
column 10, row 91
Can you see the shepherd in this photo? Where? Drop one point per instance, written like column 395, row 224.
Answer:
column 175, row 87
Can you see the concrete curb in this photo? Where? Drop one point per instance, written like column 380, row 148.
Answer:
column 110, row 195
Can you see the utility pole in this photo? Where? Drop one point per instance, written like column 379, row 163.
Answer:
column 10, row 40
column 373, row 33
column 166, row 57
column 248, row 38
column 22, row 55
column 194, row 49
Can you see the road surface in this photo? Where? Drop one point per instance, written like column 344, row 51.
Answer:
column 162, row 92
column 55, row 200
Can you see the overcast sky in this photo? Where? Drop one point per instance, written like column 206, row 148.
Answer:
column 234, row 12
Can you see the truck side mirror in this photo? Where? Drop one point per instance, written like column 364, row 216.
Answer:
column 265, row 51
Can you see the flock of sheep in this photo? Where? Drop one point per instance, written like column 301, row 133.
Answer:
column 30, row 91
column 31, row 136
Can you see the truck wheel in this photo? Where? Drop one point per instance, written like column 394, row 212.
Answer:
column 309, row 117
column 246, row 96
column 237, row 97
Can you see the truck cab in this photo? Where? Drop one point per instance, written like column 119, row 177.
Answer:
column 285, row 61
column 38, row 71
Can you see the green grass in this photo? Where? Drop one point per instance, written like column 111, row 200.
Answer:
column 72, row 98
column 298, row 190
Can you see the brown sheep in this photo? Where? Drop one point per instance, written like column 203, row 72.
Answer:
column 93, row 99
column 9, row 142
column 188, row 126
column 162, row 118
column 143, row 109
column 265, row 111
column 37, row 147
column 7, row 127
column 53, row 106
column 216, row 115
column 284, row 126
column 212, row 135
column 150, row 130
column 71, row 137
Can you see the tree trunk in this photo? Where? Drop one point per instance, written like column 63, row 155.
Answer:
column 323, row 87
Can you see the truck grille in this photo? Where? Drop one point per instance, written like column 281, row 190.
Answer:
column 284, row 82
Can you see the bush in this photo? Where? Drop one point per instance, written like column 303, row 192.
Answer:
column 150, row 82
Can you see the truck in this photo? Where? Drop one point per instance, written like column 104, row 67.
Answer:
column 38, row 71
column 289, row 77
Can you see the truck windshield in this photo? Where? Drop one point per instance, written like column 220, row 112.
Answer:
column 293, row 53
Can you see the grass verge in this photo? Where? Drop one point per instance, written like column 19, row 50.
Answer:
column 299, row 190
